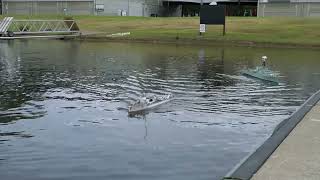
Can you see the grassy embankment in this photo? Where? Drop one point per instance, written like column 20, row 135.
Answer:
column 272, row 30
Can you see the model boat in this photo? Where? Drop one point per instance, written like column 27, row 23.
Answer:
column 262, row 73
column 149, row 102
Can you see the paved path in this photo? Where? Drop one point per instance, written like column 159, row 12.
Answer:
column 298, row 156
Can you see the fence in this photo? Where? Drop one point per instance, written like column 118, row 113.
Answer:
column 289, row 9
column 47, row 7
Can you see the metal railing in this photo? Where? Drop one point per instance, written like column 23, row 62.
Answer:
column 11, row 27
column 43, row 26
column 4, row 24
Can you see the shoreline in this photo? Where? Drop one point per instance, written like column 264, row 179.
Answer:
column 275, row 32
column 198, row 42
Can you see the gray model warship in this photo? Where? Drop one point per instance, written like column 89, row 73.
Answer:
column 149, row 102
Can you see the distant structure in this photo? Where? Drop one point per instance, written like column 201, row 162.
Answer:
column 299, row 8
column 178, row 8
column 128, row 7
column 35, row 7
column 123, row 7
column 79, row 7
column 192, row 7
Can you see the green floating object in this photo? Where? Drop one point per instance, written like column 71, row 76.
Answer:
column 262, row 73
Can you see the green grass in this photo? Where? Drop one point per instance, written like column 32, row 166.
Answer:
column 278, row 30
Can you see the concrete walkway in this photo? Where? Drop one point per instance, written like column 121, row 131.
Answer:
column 298, row 156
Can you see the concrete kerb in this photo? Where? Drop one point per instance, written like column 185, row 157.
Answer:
column 252, row 163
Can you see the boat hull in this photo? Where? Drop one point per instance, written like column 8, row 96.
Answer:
column 261, row 75
column 151, row 106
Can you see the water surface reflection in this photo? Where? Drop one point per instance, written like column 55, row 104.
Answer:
column 63, row 109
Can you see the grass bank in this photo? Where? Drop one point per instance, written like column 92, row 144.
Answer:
column 272, row 30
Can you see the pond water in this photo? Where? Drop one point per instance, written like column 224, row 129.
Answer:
column 63, row 108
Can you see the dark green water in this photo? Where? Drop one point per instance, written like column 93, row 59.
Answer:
column 63, row 108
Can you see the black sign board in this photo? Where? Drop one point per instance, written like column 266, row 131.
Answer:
column 213, row 15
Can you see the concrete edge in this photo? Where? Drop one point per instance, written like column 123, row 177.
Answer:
column 245, row 169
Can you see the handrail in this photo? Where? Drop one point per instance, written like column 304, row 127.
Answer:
column 36, row 26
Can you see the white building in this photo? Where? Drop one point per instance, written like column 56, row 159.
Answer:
column 97, row 7
column 300, row 8
column 35, row 7
column 128, row 7
column 78, row 7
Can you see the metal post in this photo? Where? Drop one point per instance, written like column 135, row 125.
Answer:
column 93, row 8
column 128, row 7
column 258, row 8
column 143, row 6
column 224, row 25
column 201, row 4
